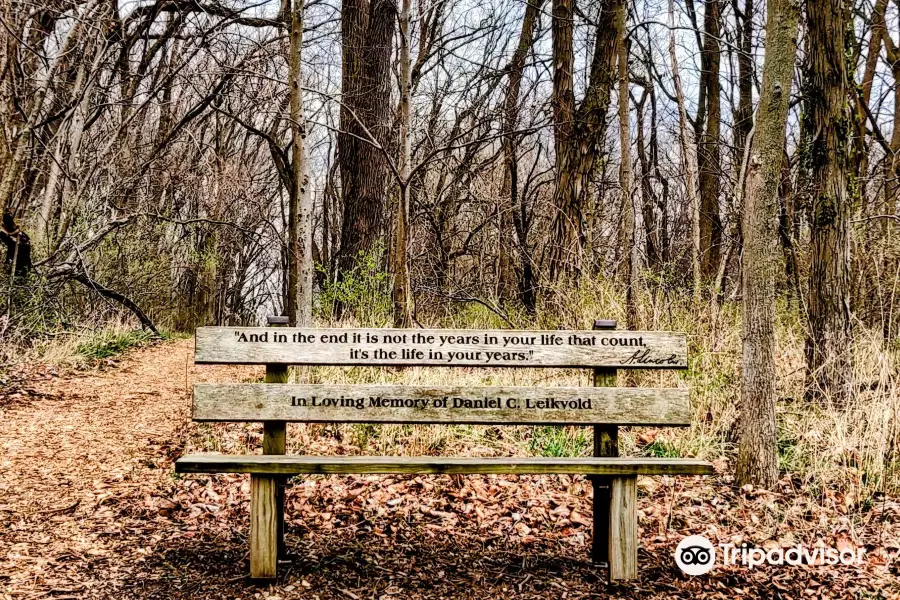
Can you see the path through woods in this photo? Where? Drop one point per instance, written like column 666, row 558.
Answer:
column 90, row 508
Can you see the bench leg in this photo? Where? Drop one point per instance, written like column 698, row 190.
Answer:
column 623, row 541
column 279, row 516
column 263, row 527
column 600, row 539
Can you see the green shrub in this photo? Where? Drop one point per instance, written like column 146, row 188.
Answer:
column 361, row 294
column 662, row 449
column 111, row 343
column 553, row 441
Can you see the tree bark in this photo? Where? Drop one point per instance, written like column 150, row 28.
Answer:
column 510, row 247
column 743, row 116
column 829, row 158
column 402, row 299
column 648, row 195
column 300, row 223
column 688, row 158
column 578, row 133
column 761, row 262
column 878, row 31
column 626, row 175
column 709, row 164
column 367, row 29
column 891, row 173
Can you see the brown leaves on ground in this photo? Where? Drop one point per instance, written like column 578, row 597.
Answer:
column 90, row 508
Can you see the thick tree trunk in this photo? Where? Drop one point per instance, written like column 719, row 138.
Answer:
column 578, row 133
column 761, row 262
column 567, row 220
column 367, row 29
column 829, row 123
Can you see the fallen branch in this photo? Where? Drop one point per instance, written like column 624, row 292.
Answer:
column 125, row 301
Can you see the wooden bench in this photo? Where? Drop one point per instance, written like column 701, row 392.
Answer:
column 604, row 407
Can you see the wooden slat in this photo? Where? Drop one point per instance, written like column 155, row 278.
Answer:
column 441, row 347
column 623, row 538
column 439, row 404
column 293, row 465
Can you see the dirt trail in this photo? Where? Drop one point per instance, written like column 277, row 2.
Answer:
column 90, row 508
column 87, row 446
column 93, row 432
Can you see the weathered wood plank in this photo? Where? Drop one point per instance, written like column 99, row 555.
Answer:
column 440, row 404
column 441, row 347
column 263, row 527
column 623, row 538
column 275, row 441
column 293, row 465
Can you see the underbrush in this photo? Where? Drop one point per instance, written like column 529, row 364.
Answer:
column 78, row 347
column 62, row 324
column 109, row 343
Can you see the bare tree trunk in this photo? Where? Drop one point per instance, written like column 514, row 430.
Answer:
column 688, row 158
column 761, row 262
column 828, row 120
column 892, row 174
column 709, row 164
column 401, row 293
column 663, row 201
column 743, row 116
column 567, row 223
column 300, row 222
column 878, row 31
column 17, row 158
column 509, row 193
column 626, row 176
column 648, row 195
column 578, row 134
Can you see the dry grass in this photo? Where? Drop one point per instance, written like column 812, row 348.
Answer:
column 72, row 347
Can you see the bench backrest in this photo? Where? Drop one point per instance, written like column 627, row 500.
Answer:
column 441, row 404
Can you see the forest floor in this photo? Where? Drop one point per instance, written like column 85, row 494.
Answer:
column 90, row 508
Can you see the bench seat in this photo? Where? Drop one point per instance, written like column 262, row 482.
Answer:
column 267, row 464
